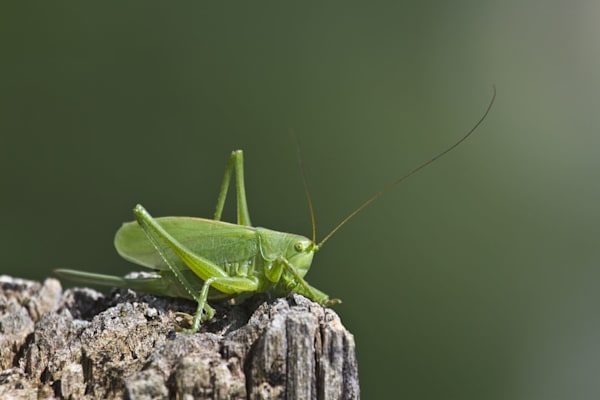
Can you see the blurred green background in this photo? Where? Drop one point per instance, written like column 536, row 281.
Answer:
column 475, row 279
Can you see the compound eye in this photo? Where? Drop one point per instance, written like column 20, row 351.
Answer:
column 299, row 246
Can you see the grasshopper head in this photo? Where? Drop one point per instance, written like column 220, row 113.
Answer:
column 300, row 251
column 296, row 249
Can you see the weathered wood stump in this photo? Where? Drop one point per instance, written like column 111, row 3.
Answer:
column 82, row 344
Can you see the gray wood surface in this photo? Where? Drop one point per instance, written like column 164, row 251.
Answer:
column 82, row 344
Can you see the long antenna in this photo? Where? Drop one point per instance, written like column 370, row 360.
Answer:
column 307, row 192
column 412, row 172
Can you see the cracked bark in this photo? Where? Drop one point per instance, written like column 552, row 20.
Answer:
column 81, row 344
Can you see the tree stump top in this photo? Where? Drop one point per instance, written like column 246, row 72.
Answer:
column 79, row 343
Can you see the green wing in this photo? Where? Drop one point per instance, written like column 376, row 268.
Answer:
column 218, row 241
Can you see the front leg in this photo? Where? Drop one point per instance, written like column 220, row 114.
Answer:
column 304, row 288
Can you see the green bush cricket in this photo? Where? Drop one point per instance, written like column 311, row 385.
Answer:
column 203, row 259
